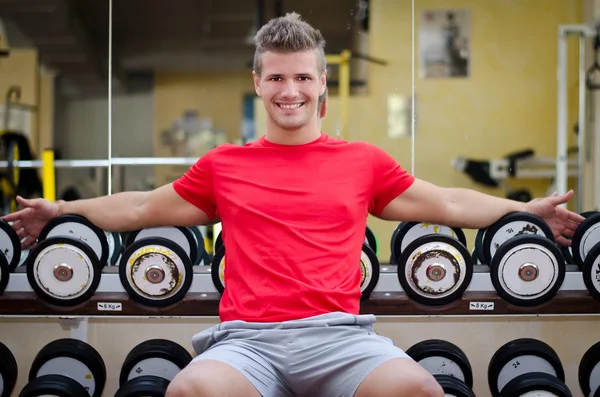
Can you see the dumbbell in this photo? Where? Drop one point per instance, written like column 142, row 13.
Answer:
column 369, row 268
column 188, row 238
column 524, row 366
column 53, row 385
column 370, row 239
column 489, row 240
column 155, row 357
column 156, row 270
column 434, row 266
column 10, row 253
column 407, row 232
column 441, row 357
column 9, row 371
column 147, row 385
column 527, row 267
column 115, row 247
column 150, row 366
column 589, row 371
column 4, row 274
column 568, row 251
column 10, row 246
column 65, row 266
column 73, row 359
column 585, row 247
column 453, row 387
column 203, row 256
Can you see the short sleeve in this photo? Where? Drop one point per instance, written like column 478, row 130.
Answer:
column 390, row 179
column 196, row 186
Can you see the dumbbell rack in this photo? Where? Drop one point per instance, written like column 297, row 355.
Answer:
column 388, row 299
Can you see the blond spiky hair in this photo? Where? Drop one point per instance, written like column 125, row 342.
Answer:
column 289, row 33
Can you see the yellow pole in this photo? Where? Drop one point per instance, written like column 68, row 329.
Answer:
column 344, row 90
column 49, row 183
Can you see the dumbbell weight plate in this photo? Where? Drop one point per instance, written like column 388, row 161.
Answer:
column 115, row 247
column 440, row 357
column 509, row 226
column 4, row 276
column 217, row 270
column 453, row 387
column 199, row 237
column 73, row 358
column 9, row 371
column 218, row 242
column 63, row 271
column 76, row 226
column 568, row 251
column 53, row 386
column 478, row 250
column 369, row 268
column 474, row 258
column 370, row 239
column 536, row 385
column 407, row 232
column 182, row 236
column 155, row 271
column 147, row 386
column 586, row 236
column 435, row 269
column 589, row 371
column 156, row 357
column 527, row 270
column 591, row 272
column 10, row 244
column 521, row 356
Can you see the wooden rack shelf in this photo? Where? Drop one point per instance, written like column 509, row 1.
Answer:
column 380, row 303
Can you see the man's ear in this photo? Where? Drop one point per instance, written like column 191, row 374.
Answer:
column 256, row 79
column 323, row 83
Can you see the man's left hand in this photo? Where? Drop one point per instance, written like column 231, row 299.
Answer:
column 562, row 221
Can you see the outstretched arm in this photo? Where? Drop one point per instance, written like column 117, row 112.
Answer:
column 119, row 212
column 456, row 207
column 127, row 211
column 466, row 208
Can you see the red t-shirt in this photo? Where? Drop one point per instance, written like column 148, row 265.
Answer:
column 293, row 221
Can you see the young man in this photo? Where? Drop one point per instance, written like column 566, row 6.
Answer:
column 294, row 206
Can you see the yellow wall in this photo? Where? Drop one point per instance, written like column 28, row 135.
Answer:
column 214, row 95
column 508, row 102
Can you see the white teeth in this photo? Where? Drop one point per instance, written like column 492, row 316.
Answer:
column 294, row 106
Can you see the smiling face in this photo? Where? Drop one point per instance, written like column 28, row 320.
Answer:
column 290, row 85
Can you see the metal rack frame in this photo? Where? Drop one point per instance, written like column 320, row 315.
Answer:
column 584, row 32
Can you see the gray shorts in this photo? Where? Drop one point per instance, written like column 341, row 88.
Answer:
column 325, row 355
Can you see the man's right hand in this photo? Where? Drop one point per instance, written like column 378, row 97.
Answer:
column 29, row 221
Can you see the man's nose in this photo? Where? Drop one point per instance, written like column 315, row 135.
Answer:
column 290, row 89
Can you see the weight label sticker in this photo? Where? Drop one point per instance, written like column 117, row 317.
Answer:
column 481, row 305
column 110, row 306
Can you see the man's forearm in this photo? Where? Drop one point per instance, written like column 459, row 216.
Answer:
column 118, row 212
column 475, row 210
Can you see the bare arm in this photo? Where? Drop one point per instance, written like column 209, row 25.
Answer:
column 120, row 212
column 137, row 210
column 454, row 207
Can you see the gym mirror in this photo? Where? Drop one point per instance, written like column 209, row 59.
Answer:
column 187, row 81
column 53, row 80
column 487, row 95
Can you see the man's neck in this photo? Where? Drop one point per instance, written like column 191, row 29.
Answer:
column 302, row 136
